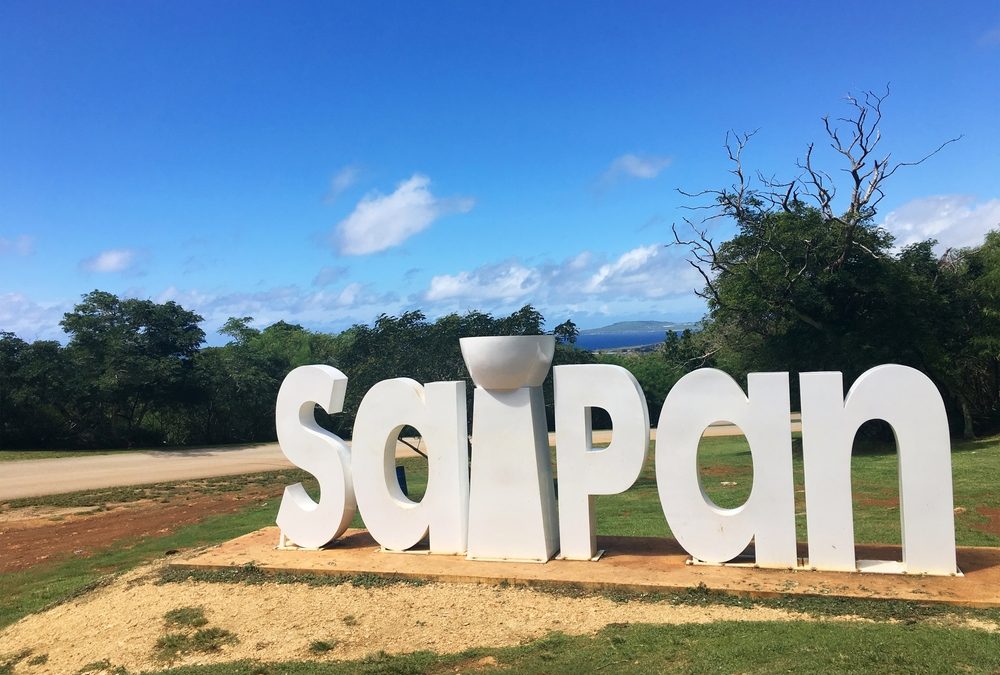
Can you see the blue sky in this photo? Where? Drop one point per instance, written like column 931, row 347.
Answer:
column 325, row 162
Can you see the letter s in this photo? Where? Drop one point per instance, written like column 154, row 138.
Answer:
column 318, row 451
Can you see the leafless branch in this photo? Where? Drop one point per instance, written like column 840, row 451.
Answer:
column 751, row 198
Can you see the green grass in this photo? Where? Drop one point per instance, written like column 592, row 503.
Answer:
column 722, row 647
column 322, row 646
column 8, row 662
column 172, row 646
column 104, row 667
column 10, row 455
column 273, row 480
column 976, row 470
column 186, row 617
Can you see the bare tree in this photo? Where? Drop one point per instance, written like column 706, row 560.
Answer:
column 748, row 201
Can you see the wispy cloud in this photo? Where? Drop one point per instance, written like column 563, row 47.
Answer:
column 328, row 309
column 503, row 281
column 329, row 275
column 954, row 220
column 645, row 272
column 380, row 222
column 21, row 245
column 990, row 38
column 112, row 260
column 643, row 167
column 31, row 320
column 633, row 272
column 342, row 181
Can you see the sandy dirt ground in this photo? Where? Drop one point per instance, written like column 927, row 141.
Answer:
column 123, row 621
column 37, row 477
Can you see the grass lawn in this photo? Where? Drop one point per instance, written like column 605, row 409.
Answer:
column 747, row 647
column 11, row 455
column 727, row 476
column 723, row 647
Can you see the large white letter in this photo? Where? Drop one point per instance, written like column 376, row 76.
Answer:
column 583, row 471
column 909, row 402
column 706, row 531
column 438, row 411
column 316, row 450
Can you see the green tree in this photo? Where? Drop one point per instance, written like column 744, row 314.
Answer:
column 566, row 333
column 130, row 357
column 11, row 351
column 811, row 282
column 239, row 382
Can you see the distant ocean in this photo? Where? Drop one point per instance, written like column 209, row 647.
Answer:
column 619, row 340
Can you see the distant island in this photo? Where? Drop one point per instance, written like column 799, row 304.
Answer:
column 629, row 335
column 640, row 327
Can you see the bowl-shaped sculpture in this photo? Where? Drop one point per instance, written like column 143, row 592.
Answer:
column 508, row 361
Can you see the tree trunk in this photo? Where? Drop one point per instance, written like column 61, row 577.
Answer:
column 968, row 433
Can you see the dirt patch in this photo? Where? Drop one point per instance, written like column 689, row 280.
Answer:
column 992, row 524
column 123, row 621
column 888, row 503
column 34, row 516
column 35, row 535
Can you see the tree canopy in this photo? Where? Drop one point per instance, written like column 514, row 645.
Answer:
column 804, row 286
column 135, row 372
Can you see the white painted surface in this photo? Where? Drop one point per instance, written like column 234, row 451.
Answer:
column 512, row 507
column 584, row 471
column 438, row 411
column 308, row 523
column 508, row 362
column 706, row 531
column 911, row 404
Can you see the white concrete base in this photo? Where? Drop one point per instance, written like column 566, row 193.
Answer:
column 862, row 566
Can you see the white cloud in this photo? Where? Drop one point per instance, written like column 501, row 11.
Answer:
column 629, row 165
column 21, row 245
column 954, row 220
column 506, row 281
column 584, row 282
column 341, row 181
column 647, row 281
column 380, row 222
column 322, row 309
column 631, row 269
column 112, row 260
column 31, row 320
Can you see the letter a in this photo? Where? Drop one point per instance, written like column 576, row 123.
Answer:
column 438, row 412
column 706, row 531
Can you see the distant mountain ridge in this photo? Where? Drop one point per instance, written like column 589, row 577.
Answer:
column 638, row 327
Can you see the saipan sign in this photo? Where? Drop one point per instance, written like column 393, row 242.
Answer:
column 503, row 506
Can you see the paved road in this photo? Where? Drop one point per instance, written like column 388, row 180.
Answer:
column 37, row 477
